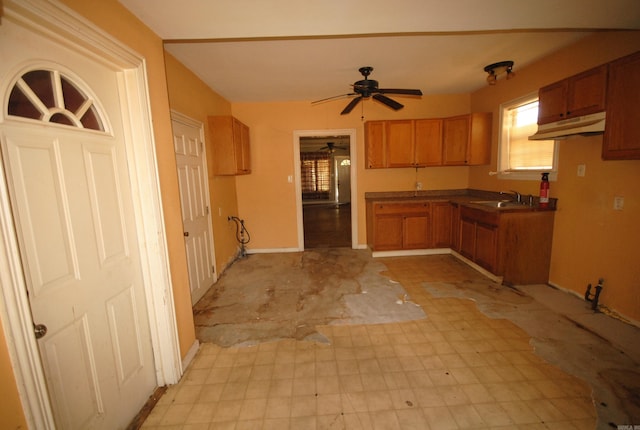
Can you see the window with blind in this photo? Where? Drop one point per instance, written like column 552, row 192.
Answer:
column 519, row 157
column 315, row 176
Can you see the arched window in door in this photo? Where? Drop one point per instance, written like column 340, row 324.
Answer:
column 49, row 96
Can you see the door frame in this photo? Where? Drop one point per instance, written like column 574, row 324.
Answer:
column 64, row 26
column 190, row 122
column 297, row 134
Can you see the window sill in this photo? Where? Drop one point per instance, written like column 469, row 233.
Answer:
column 525, row 176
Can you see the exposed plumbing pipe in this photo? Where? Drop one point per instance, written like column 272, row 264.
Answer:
column 594, row 298
column 242, row 234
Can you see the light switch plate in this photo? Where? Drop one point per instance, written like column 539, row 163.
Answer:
column 581, row 169
column 618, row 203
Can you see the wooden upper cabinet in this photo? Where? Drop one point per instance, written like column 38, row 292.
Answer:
column 457, row 141
column 581, row 94
column 622, row 131
column 428, row 142
column 231, row 146
column 400, row 143
column 455, row 136
column 375, row 152
column 467, row 139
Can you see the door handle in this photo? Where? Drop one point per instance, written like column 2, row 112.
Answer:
column 186, row 234
column 40, row 330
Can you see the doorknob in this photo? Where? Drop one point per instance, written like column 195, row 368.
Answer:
column 186, row 234
column 40, row 330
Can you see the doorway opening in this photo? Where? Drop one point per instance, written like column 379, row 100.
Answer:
column 325, row 184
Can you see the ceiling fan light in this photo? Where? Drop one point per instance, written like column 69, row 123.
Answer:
column 510, row 73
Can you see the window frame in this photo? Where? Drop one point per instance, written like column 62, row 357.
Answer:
column 503, row 148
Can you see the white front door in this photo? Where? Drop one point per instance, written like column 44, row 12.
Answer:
column 194, row 200
column 70, row 190
column 343, row 173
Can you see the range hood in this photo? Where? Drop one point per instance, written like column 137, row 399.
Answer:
column 582, row 125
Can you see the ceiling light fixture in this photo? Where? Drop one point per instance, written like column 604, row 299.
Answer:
column 497, row 68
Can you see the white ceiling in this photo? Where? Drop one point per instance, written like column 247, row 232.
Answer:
column 295, row 50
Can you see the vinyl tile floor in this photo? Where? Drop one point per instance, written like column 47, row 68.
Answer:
column 456, row 369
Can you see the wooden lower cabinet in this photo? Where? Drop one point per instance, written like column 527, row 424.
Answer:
column 398, row 225
column 441, row 224
column 515, row 245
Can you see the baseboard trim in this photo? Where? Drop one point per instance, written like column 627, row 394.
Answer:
column 191, row 354
column 410, row 252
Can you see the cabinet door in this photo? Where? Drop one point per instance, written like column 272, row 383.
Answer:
column 455, row 136
column 375, row 144
column 479, row 147
column 587, row 92
column 441, row 218
column 399, row 142
column 467, row 238
column 581, row 94
column 552, row 102
column 428, row 142
column 241, row 144
column 455, row 227
column 416, row 231
column 388, row 232
column 486, row 252
column 622, row 132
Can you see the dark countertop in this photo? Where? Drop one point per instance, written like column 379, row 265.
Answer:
column 460, row 196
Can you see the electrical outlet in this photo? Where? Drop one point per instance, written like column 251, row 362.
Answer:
column 618, row 203
column 581, row 169
column 418, row 186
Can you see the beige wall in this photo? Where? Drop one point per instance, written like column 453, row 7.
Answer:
column 193, row 98
column 266, row 201
column 591, row 240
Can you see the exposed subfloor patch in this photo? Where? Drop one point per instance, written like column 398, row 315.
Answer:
column 566, row 332
column 277, row 296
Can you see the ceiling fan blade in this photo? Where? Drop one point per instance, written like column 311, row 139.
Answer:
column 351, row 105
column 387, row 101
column 341, row 96
column 399, row 91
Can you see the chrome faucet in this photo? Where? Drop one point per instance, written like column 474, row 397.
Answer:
column 518, row 196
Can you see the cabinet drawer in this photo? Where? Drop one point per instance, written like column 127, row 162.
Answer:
column 480, row 216
column 400, row 208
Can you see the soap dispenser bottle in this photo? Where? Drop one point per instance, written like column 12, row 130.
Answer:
column 544, row 191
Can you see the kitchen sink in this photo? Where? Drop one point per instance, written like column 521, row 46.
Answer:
column 501, row 204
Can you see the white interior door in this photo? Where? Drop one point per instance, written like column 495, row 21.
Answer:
column 343, row 173
column 72, row 207
column 194, row 200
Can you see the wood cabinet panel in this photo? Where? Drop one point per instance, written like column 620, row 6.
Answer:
column 466, row 139
column 428, row 142
column 581, row 94
column 441, row 224
column 398, row 225
column 455, row 139
column 388, row 232
column 468, row 238
column 231, row 146
column 400, row 143
column 622, row 131
column 486, row 252
column 375, row 151
column 416, row 231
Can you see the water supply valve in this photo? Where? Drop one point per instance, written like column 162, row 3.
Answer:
column 593, row 298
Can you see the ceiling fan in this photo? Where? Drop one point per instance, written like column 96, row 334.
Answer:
column 331, row 147
column 366, row 88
